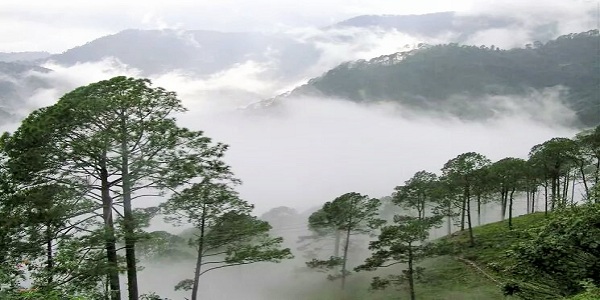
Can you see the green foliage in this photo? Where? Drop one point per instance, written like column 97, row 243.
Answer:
column 416, row 193
column 226, row 234
column 348, row 214
column 402, row 242
column 563, row 251
column 351, row 211
column 449, row 78
column 592, row 292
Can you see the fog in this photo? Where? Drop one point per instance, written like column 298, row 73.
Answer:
column 306, row 150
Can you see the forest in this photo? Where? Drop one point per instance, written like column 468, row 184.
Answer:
column 72, row 174
column 424, row 78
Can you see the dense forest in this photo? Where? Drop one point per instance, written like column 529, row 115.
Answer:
column 72, row 172
column 444, row 77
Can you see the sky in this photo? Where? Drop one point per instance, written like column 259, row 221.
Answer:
column 55, row 26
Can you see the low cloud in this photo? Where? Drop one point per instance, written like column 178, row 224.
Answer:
column 310, row 150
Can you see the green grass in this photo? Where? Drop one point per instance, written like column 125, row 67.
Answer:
column 494, row 239
column 446, row 277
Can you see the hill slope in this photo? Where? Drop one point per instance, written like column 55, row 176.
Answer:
column 450, row 77
column 199, row 52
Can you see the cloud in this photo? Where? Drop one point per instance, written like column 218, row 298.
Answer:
column 58, row 25
column 551, row 18
column 312, row 150
column 320, row 149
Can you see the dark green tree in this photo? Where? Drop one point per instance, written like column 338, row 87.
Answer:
column 461, row 174
column 404, row 242
column 416, row 193
column 349, row 214
column 226, row 234
column 555, row 160
column 509, row 177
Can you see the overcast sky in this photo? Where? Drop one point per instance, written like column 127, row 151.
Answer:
column 55, row 26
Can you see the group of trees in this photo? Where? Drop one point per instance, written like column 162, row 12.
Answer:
column 69, row 176
column 557, row 174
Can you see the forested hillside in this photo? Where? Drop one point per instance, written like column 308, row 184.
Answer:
column 436, row 78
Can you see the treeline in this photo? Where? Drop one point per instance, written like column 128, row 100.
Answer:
column 558, row 174
column 439, row 78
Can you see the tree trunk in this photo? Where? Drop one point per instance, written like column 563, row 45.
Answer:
column 471, row 237
column 503, row 201
column 478, row 210
column 510, row 208
column 109, row 234
column 462, row 214
column 585, row 184
column 555, row 185
column 565, row 191
column 411, row 272
column 128, row 218
column 49, row 254
column 345, row 258
column 468, row 206
column 546, row 198
column 573, row 189
column 533, row 194
column 200, row 255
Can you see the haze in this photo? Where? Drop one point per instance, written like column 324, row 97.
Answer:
column 307, row 150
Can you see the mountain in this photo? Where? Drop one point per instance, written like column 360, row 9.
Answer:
column 438, row 24
column 198, row 52
column 16, row 85
column 203, row 52
column 455, row 78
column 23, row 57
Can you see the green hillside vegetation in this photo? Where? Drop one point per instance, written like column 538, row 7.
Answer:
column 429, row 77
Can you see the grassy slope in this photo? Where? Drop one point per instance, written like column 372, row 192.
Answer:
column 493, row 240
column 447, row 277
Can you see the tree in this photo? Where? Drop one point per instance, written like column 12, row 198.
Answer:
column 350, row 213
column 118, row 141
column 483, row 186
column 416, row 192
column 42, row 221
column 555, row 159
column 461, row 174
column 227, row 235
column 588, row 161
column 509, row 177
column 402, row 242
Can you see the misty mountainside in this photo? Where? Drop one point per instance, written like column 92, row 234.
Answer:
column 469, row 81
column 203, row 52
column 436, row 24
column 198, row 52
column 23, row 57
column 16, row 85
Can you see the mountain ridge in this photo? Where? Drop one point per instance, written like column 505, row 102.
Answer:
column 427, row 77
